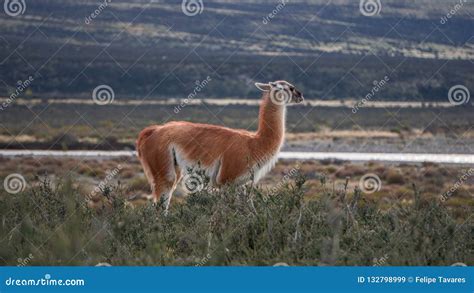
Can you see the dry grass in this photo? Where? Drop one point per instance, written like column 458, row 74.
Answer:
column 396, row 179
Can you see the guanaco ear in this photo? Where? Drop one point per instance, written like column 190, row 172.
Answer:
column 264, row 87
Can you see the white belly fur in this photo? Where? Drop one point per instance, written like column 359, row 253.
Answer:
column 265, row 168
column 186, row 166
column 213, row 170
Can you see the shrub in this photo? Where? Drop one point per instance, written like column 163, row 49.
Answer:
column 231, row 226
column 394, row 177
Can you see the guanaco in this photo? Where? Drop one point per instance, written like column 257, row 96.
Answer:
column 224, row 155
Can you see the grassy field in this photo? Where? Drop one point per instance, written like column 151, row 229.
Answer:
column 317, row 215
column 65, row 125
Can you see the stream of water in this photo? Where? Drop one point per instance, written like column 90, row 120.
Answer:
column 356, row 157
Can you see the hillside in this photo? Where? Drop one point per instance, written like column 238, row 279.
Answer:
column 153, row 50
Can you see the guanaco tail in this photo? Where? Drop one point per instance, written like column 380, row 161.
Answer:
column 168, row 152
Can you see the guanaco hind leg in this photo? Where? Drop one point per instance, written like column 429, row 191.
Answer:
column 160, row 173
column 162, row 190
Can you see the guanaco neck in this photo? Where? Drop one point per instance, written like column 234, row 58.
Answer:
column 271, row 125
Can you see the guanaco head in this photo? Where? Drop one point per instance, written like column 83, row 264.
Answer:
column 281, row 92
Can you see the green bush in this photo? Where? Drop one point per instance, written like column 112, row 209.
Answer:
column 231, row 226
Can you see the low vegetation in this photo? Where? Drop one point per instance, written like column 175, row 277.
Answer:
column 52, row 224
column 68, row 126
